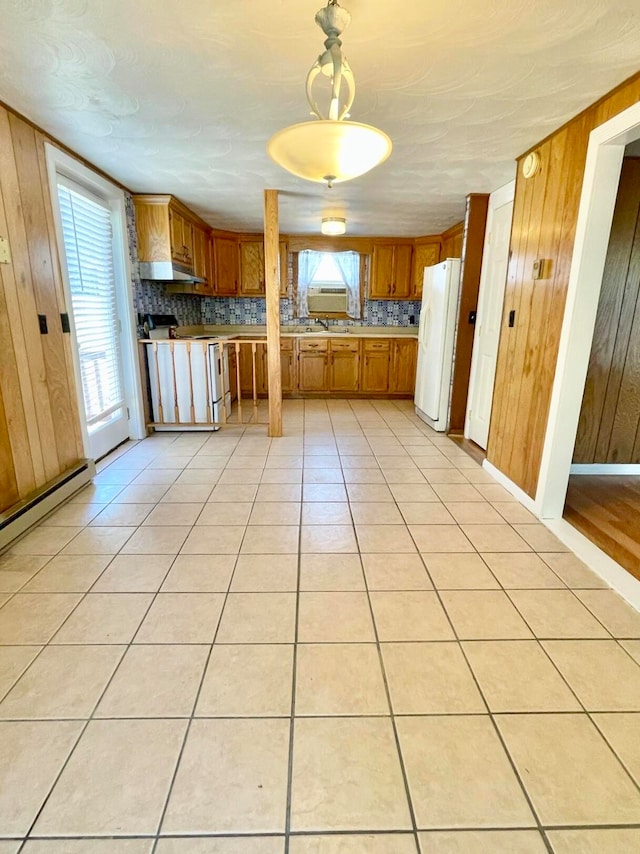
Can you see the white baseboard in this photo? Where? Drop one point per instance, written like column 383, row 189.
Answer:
column 605, row 468
column 511, row 487
column 44, row 505
column 609, row 571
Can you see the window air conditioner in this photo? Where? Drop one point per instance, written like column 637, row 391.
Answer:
column 327, row 299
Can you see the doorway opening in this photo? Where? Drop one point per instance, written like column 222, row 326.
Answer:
column 603, row 498
column 92, row 240
column 605, row 155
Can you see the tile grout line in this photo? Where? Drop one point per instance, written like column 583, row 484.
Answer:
column 396, row 737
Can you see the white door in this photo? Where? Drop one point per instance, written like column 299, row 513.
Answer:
column 95, row 324
column 493, row 279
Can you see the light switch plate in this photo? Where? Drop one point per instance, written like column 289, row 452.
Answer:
column 538, row 268
column 5, row 252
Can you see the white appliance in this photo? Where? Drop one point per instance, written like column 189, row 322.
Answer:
column 436, row 341
column 188, row 383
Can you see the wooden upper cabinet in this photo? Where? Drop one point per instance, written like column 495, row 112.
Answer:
column 390, row 271
column 424, row 255
column 181, row 230
column 225, row 251
column 284, row 269
column 251, row 257
column 402, row 377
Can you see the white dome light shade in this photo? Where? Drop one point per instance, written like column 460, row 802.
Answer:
column 333, row 225
column 326, row 150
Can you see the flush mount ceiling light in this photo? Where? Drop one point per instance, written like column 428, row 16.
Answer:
column 333, row 225
column 330, row 148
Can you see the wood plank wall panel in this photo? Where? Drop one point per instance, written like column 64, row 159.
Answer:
column 37, row 387
column 545, row 215
column 610, row 414
column 473, row 244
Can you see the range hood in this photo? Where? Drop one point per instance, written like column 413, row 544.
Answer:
column 168, row 271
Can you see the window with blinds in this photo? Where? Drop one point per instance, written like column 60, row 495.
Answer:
column 88, row 246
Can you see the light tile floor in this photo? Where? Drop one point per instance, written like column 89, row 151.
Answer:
column 346, row 641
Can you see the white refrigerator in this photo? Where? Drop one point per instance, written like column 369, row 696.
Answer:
column 436, row 338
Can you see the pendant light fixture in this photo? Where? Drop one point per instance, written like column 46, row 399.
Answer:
column 330, row 148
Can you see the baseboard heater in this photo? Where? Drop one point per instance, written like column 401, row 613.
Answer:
column 18, row 518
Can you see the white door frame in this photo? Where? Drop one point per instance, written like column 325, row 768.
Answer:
column 501, row 196
column 597, row 202
column 59, row 162
column 595, row 215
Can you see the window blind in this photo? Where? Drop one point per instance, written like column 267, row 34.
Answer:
column 88, row 245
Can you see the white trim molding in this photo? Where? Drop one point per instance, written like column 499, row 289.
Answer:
column 606, row 469
column 61, row 163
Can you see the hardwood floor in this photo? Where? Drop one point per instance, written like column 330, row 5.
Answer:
column 606, row 509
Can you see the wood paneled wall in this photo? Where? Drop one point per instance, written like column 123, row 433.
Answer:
column 544, row 222
column 609, row 427
column 40, row 435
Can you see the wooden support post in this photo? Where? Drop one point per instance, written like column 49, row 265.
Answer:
column 272, row 287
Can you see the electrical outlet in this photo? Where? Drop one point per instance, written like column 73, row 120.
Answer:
column 5, row 252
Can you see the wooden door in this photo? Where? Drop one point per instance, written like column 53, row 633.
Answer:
column 402, row 379
column 312, row 370
column 251, row 257
column 381, row 285
column 226, row 264
column 375, row 366
column 402, row 271
column 344, row 366
column 424, row 255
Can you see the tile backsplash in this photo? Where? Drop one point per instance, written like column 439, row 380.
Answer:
column 252, row 311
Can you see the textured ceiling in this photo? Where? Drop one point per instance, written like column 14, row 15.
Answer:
column 180, row 96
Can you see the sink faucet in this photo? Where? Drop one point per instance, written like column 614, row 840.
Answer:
column 322, row 323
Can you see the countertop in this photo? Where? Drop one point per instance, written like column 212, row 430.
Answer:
column 226, row 332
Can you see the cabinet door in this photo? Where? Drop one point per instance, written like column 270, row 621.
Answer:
column 187, row 239
column 226, row 263
column 288, row 364
column 251, row 268
column 424, row 255
column 375, row 367
column 246, row 370
column 402, row 271
column 344, row 366
column 200, row 264
column 284, row 270
column 402, row 379
column 312, row 365
column 176, row 231
column 381, row 285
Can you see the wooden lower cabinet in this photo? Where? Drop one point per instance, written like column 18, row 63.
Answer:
column 247, row 369
column 288, row 366
column 374, row 376
column 344, row 365
column 402, row 374
column 312, row 365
